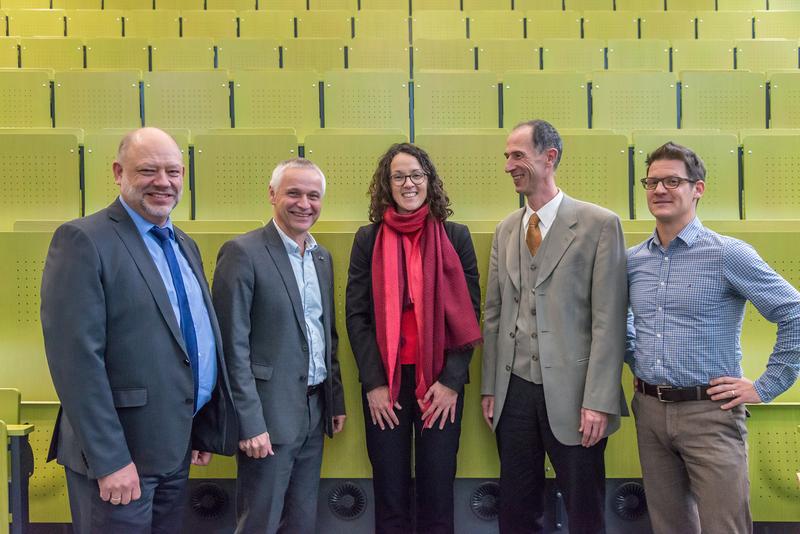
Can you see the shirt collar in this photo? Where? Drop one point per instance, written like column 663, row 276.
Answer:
column 291, row 246
column 688, row 235
column 547, row 213
column 142, row 224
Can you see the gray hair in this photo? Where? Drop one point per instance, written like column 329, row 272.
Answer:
column 544, row 136
column 294, row 163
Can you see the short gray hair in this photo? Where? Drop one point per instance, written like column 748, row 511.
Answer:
column 294, row 163
column 544, row 136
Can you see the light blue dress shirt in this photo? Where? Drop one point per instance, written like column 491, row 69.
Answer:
column 305, row 274
column 206, row 345
column 688, row 303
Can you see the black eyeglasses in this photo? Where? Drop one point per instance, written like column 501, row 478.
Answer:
column 417, row 178
column 669, row 182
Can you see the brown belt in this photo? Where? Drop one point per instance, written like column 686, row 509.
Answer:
column 674, row 394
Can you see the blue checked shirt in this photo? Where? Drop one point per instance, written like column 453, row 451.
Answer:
column 688, row 303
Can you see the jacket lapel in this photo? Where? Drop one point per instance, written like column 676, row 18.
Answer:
column 321, row 264
column 277, row 251
column 512, row 247
column 558, row 239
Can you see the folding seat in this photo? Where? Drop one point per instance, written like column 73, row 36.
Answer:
column 282, row 5
column 634, row 100
column 777, row 24
column 367, row 99
column 248, row 53
column 706, row 54
column 325, row 24
column 589, row 5
column 94, row 23
column 35, row 22
column 9, row 52
column 25, row 98
column 93, row 100
column 730, row 100
column 740, row 5
column 385, row 5
column 381, row 24
column 766, row 54
column 771, row 161
column 57, row 53
column 610, row 25
column 553, row 24
column 667, row 24
column 434, row 5
column 502, row 55
column 117, row 53
column 638, row 54
column 181, row 5
column 444, row 54
column 194, row 100
column 214, row 24
column 579, row 55
column 725, row 25
column 496, row 24
column 379, row 54
column 449, row 99
column 558, row 97
column 25, row 4
column 187, row 53
column 127, row 5
column 718, row 150
column 691, row 5
column 313, row 54
column 784, row 99
column 152, row 24
column 538, row 5
column 639, row 5
column 233, row 5
column 486, row 5
column 271, row 24
column 78, row 4
column 327, row 5
column 438, row 25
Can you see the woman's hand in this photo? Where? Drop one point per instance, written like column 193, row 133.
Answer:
column 380, row 408
column 442, row 401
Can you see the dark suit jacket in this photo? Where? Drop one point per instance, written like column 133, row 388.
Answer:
column 264, row 335
column 117, row 356
column 361, row 313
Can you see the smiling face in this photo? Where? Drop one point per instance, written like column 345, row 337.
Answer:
column 673, row 206
column 527, row 167
column 297, row 201
column 408, row 196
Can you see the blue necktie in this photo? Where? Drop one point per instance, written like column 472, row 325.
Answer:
column 187, row 324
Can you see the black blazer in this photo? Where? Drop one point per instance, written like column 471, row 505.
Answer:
column 361, row 316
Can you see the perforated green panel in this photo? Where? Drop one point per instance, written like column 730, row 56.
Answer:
column 502, row 55
column 248, row 53
column 496, row 24
column 95, row 100
column 324, row 24
column 367, row 99
column 9, row 52
column 631, row 100
column 438, row 24
column 741, row 5
column 217, row 24
column 777, row 24
column 273, row 24
column 194, row 100
column 382, row 24
column 128, row 4
column 313, row 54
column 560, row 98
column 191, row 53
column 30, row 22
column 94, row 23
column 725, row 25
column 771, row 166
column 25, row 98
column 667, row 24
column 610, row 25
column 638, row 54
column 785, row 100
column 708, row 54
column 574, row 55
column 443, row 54
column 542, row 5
column 378, row 54
column 553, row 24
column 766, row 54
column 152, row 24
column 235, row 5
column 455, row 100
column 725, row 100
column 57, row 53
column 116, row 53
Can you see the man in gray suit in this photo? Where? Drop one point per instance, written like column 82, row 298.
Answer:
column 134, row 350
column 273, row 291
column 554, row 340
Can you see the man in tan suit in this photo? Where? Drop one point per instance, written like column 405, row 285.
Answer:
column 554, row 340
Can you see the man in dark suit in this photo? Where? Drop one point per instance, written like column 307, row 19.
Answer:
column 273, row 292
column 134, row 350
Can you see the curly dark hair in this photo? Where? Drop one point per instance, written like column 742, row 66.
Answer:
column 380, row 189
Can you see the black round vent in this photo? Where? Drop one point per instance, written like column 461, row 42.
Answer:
column 209, row 500
column 347, row 501
column 629, row 501
column 484, row 500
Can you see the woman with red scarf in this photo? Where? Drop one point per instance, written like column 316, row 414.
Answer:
column 413, row 303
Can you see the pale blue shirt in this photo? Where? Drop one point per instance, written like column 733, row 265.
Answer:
column 206, row 346
column 305, row 274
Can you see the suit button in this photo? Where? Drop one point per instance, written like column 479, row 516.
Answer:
column 508, row 368
column 305, row 348
column 302, row 377
column 187, row 362
column 189, row 401
column 516, row 299
column 511, row 334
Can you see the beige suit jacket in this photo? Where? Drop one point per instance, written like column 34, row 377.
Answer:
column 581, row 301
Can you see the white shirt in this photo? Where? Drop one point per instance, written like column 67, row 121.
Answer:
column 547, row 214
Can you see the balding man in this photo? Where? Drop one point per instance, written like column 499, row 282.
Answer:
column 134, row 350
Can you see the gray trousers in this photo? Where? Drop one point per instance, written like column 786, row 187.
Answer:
column 279, row 493
column 694, row 464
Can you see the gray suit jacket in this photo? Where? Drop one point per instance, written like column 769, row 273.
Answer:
column 581, row 302
column 117, row 356
column 264, row 334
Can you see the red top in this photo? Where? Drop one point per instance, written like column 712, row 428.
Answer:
column 409, row 343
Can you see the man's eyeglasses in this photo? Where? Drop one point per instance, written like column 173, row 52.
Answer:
column 670, row 182
column 416, row 178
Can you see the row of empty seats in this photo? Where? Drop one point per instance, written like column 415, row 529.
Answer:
column 396, row 24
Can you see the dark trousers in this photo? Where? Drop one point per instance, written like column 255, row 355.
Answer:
column 435, row 467
column 159, row 510
column 523, row 438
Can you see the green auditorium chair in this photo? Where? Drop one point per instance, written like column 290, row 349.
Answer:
column 723, row 99
column 277, row 99
column 771, row 164
column 117, row 53
column 638, row 54
column 366, row 99
column 784, row 99
column 538, row 5
column 740, row 5
column 553, row 24
column 784, row 5
column 577, row 55
column 9, row 52
column 443, row 54
column 185, row 53
column 502, row 55
column 152, row 24
column 180, row 5
column 39, row 175
column 324, row 24
column 313, row 54
column 435, row 5
column 718, row 150
column 25, row 98
column 78, row 4
column 486, row 5
column 348, row 158
column 25, row 4
column 94, row 23
column 589, row 5
column 470, row 164
column 667, row 24
column 766, row 54
column 93, row 100
column 379, row 54
column 127, row 5
column 558, row 97
column 215, row 24
column 438, row 25
column 282, row 5
column 195, row 100
column 381, row 24
column 248, row 53
column 270, row 24
column 57, row 53
column 724, row 24
column 691, row 5
column 634, row 100
column 639, row 5
column 385, row 5
column 234, row 5
column 35, row 22
column 496, row 24
column 232, row 172
column 100, row 151
column 706, row 54
column 452, row 99
column 347, row 5
column 777, row 24
column 610, row 25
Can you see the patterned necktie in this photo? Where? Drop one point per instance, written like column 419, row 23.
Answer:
column 187, row 324
column 533, row 237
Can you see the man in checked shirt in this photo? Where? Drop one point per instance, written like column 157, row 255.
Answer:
column 688, row 288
